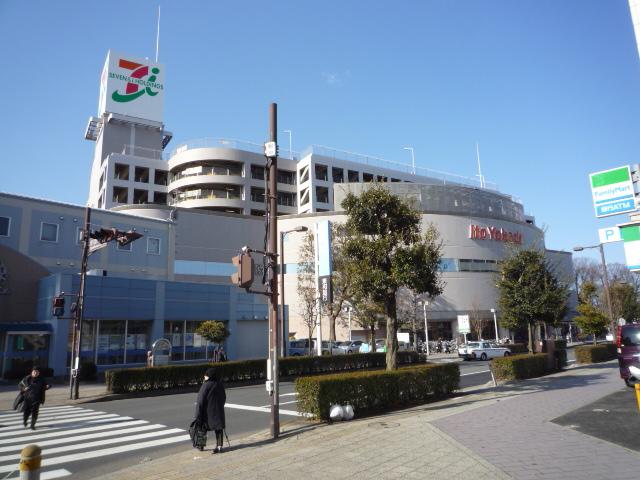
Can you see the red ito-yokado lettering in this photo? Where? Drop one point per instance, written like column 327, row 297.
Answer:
column 476, row 232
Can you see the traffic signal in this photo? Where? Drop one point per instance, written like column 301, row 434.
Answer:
column 125, row 238
column 58, row 306
column 243, row 277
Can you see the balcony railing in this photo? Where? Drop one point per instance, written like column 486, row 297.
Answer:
column 210, row 142
column 143, row 152
column 205, row 172
column 206, row 195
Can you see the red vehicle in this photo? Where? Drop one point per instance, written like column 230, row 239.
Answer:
column 629, row 353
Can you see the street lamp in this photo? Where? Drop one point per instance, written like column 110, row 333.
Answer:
column 283, row 340
column 606, row 282
column 424, row 304
column 290, row 150
column 495, row 322
column 348, row 308
column 413, row 159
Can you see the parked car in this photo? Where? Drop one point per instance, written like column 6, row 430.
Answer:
column 297, row 348
column 351, row 347
column 482, row 350
column 331, row 348
column 629, row 353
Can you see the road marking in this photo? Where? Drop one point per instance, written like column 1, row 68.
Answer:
column 53, row 416
column 62, row 431
column 474, row 373
column 105, row 452
column 77, row 438
column 42, row 409
column 99, row 443
column 11, row 430
column 281, row 403
column 264, row 410
column 288, row 394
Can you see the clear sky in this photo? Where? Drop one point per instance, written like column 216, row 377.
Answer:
column 550, row 89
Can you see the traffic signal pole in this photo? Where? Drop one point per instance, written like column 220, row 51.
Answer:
column 272, row 250
column 74, row 381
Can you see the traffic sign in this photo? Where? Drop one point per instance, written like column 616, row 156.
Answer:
column 463, row 324
column 612, row 191
column 608, row 235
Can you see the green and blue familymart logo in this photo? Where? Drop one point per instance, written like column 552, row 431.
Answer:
column 141, row 80
column 612, row 192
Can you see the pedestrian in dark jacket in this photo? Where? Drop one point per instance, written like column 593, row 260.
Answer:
column 210, row 406
column 33, row 387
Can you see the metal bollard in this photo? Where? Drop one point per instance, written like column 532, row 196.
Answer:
column 637, row 388
column 30, row 459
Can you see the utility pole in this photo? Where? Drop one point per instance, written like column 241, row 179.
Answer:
column 271, row 153
column 74, row 380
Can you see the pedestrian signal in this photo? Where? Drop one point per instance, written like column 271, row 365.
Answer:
column 58, row 306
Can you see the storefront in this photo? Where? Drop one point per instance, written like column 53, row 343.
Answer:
column 24, row 345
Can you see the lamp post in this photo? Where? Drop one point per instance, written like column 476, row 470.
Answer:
column 607, row 291
column 424, row 304
column 348, row 309
column 413, row 159
column 495, row 322
column 283, row 340
column 290, row 145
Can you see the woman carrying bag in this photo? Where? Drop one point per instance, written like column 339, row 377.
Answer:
column 210, row 406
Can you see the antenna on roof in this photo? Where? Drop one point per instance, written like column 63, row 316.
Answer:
column 479, row 175
column 158, row 35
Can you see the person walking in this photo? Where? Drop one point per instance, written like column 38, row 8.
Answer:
column 33, row 387
column 210, row 406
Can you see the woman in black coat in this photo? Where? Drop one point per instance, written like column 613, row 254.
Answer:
column 210, row 406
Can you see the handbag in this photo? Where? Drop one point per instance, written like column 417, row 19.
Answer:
column 18, row 403
column 198, row 434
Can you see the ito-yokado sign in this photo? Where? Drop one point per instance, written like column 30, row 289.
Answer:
column 477, row 232
column 132, row 87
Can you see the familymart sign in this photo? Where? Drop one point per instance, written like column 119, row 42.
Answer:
column 630, row 234
column 612, row 192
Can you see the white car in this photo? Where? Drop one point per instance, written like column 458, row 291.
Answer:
column 482, row 350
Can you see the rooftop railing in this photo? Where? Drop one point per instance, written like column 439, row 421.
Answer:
column 210, row 142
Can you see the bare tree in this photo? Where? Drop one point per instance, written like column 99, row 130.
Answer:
column 307, row 308
column 409, row 315
column 476, row 322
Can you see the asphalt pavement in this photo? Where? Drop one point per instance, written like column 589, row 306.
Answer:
column 96, row 438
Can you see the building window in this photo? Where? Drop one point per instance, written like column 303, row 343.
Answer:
column 322, row 172
column 142, row 175
column 367, row 177
column 257, row 194
column 121, row 171
column 153, row 246
column 322, row 194
column 287, row 199
column 111, row 342
column 354, row 176
column 160, row 198
column 49, row 232
column 337, row 174
column 161, row 177
column 257, row 172
column 124, row 248
column 5, row 226
column 79, row 238
column 138, row 334
column 174, row 332
column 140, row 196
column 286, row 177
column 257, row 213
column 120, row 194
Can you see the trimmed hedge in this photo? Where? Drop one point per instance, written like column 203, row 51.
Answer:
column 174, row 376
column 560, row 353
column 518, row 367
column 596, row 353
column 376, row 391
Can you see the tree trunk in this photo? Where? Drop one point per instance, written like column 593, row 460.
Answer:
column 392, row 332
column 530, row 338
column 372, row 338
column 332, row 327
column 310, row 340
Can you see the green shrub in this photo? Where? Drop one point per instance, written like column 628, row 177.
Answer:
column 516, row 348
column 173, row 376
column 595, row 353
column 517, row 367
column 376, row 391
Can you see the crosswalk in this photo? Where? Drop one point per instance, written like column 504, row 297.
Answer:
column 70, row 434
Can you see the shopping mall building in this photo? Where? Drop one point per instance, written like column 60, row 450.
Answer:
column 196, row 205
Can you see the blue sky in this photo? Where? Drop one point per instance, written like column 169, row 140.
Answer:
column 550, row 89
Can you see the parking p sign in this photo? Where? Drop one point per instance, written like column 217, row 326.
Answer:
column 608, row 235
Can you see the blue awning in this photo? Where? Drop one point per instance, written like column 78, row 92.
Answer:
column 25, row 327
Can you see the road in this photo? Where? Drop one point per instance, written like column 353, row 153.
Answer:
column 91, row 439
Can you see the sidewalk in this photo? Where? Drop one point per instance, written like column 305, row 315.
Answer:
column 58, row 394
column 490, row 433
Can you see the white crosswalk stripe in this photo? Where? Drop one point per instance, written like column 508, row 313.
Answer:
column 70, row 434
